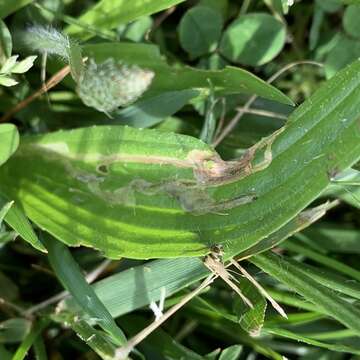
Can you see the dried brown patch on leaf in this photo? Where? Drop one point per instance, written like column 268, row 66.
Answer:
column 210, row 169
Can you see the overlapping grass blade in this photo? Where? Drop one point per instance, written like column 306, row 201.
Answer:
column 69, row 273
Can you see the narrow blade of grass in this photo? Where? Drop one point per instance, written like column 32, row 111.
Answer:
column 24, row 347
column 39, row 349
column 93, row 338
column 70, row 275
column 322, row 259
column 333, row 347
column 293, row 301
column 333, row 280
column 287, row 271
column 18, row 221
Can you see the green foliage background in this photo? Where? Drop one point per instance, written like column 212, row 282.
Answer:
column 185, row 129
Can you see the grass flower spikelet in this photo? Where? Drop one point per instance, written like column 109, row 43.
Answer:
column 48, row 40
column 109, row 85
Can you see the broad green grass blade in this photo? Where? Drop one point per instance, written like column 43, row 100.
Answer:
column 18, row 221
column 165, row 153
column 165, row 195
column 8, row 7
column 9, row 141
column 298, row 337
column 87, row 170
column 230, row 80
column 70, row 275
column 108, row 14
column 287, row 272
